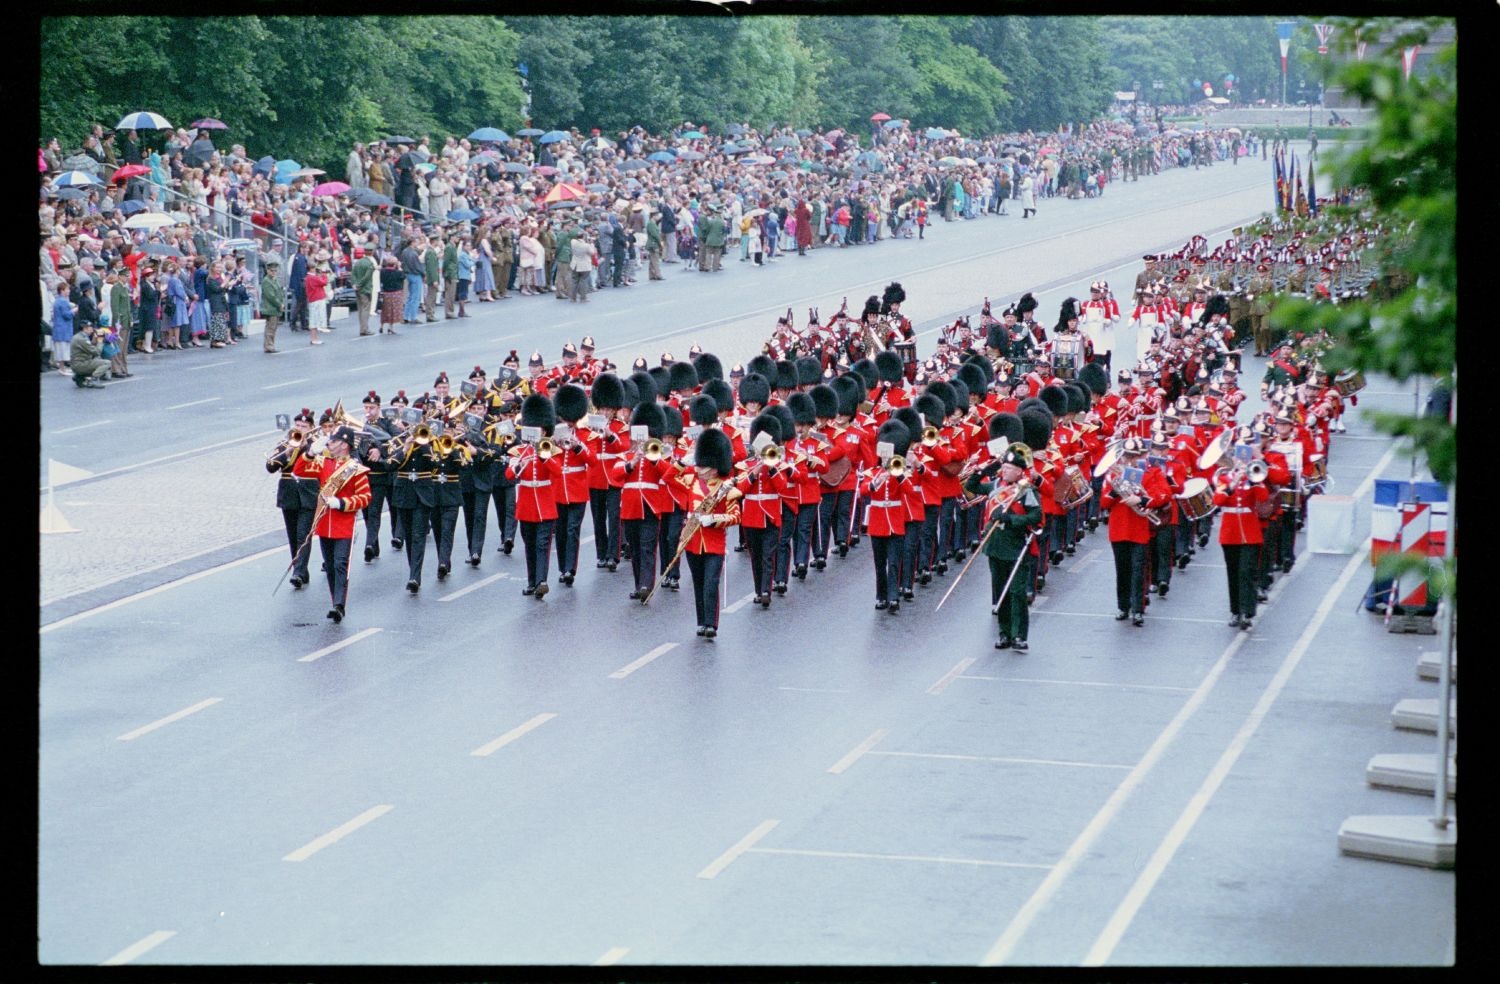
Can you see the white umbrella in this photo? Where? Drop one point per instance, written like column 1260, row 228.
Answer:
column 180, row 218
column 148, row 220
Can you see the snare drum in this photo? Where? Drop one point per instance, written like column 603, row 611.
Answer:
column 1072, row 488
column 1316, row 475
column 1197, row 499
column 1288, row 498
column 1349, row 381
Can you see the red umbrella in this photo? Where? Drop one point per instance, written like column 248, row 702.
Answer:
column 565, row 192
column 129, row 171
column 545, row 170
column 880, row 117
column 329, row 188
column 209, row 123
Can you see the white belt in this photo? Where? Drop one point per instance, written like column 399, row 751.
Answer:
column 640, row 485
column 533, row 485
column 575, row 469
column 1235, row 509
column 613, row 454
column 763, row 497
column 887, row 503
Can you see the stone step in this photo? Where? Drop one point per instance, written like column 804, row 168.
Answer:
column 1421, row 714
column 1410, row 773
column 1429, row 664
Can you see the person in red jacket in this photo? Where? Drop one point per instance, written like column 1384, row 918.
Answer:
column 676, row 458
column 1136, row 491
column 578, row 458
column 643, row 499
column 712, row 508
column 887, row 515
column 608, row 445
column 810, row 454
column 537, row 479
column 761, row 488
column 1240, row 536
column 1164, row 537
column 343, row 490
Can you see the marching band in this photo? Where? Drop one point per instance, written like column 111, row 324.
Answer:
column 1008, row 442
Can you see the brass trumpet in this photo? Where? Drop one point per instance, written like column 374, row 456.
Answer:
column 930, row 436
column 652, row 450
column 444, row 444
column 896, row 467
column 545, row 448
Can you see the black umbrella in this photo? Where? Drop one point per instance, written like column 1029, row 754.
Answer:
column 735, row 129
column 633, row 165
column 400, row 140
column 515, row 167
column 198, row 152
column 370, row 198
column 70, row 193
column 408, row 159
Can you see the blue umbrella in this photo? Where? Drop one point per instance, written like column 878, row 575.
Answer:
column 891, row 124
column 691, row 135
column 515, row 167
column 633, row 165
column 933, row 133
column 265, row 165
column 553, row 136
column 131, row 207
column 733, row 149
column 489, row 134
column 530, row 131
column 75, row 179
column 462, row 215
column 284, row 171
column 70, row 194
column 661, row 157
column 143, row 121
column 554, row 206
column 803, row 132
column 689, row 155
column 735, row 129
column 597, row 187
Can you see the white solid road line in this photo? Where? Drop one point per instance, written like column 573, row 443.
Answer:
column 195, row 403
column 338, row 833
column 373, row 365
column 740, row 604
column 145, row 729
column 857, row 751
column 1006, row 759
column 210, row 365
column 1081, row 683
column 950, row 676
column 512, row 735
column 136, row 949
column 69, row 430
column 1136, row 897
column 630, row 668
column 745, row 843
column 896, row 857
column 612, row 956
column 289, row 382
column 475, row 586
column 356, row 637
column 1010, row 938
column 60, row 623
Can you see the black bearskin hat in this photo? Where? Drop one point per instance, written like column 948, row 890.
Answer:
column 755, row 388
column 867, row 373
column 608, row 392
column 763, row 364
column 652, row 416
column 801, row 407
column 809, row 371
column 786, row 375
column 895, row 433
column 1095, row 378
column 1067, row 312
column 908, row 416
column 962, row 392
column 661, row 379
column 872, row 306
column 983, row 365
column 1008, row 426
column 765, row 423
column 893, row 295
column 703, row 411
column 708, row 367
column 645, row 387
column 1055, row 398
column 785, row 419
column 889, row 367
column 1078, row 397
column 944, row 391
column 997, row 339
column 1036, row 430
column 721, row 394
column 632, row 392
column 850, row 389
column 537, row 411
column 713, row 450
column 931, row 408
column 571, row 403
column 1032, row 403
column 683, row 376
column 1026, row 303
column 973, row 378
column 672, row 418
column 825, row 400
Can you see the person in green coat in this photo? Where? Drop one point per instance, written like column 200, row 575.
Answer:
column 272, row 300
column 563, row 254
column 450, row 274
column 1007, row 538
column 431, row 268
column 119, row 317
column 363, row 276
column 711, row 234
column 653, row 246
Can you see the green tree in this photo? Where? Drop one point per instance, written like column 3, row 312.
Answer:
column 558, row 53
column 955, row 86
column 866, row 68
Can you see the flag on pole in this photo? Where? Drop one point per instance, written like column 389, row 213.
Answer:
column 1408, row 59
column 1299, row 202
column 1312, row 194
column 1359, row 47
column 1276, row 178
column 1325, row 31
column 1284, row 36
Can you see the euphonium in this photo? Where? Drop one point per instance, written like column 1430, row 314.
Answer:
column 444, row 445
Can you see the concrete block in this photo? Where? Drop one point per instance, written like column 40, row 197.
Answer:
column 1330, row 524
column 1410, row 773
column 1404, row 839
column 1430, row 664
column 1421, row 714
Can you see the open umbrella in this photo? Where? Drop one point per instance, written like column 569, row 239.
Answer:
column 515, row 167
column 161, row 249
column 399, row 140
column 143, row 121
column 891, row 124
column 462, row 215
column 735, row 129
column 545, row 170
column 129, row 171
column 754, row 212
column 553, row 136
column 689, row 155
column 148, row 220
column 948, row 161
column 691, row 135
column 933, row 133
column 570, row 203
column 778, row 175
column 265, row 165
column 484, row 157
column 663, row 157
column 804, row 132
column 782, row 141
column 180, row 218
column 601, row 188
column 329, row 188
column 529, row 131
column 867, row 157
column 880, row 117
column 371, row 198
column 308, row 172
column 127, row 208
column 1234, row 130
column 563, row 192
column 75, row 179
column 633, row 165
column 732, row 149
column 208, row 123
column 489, row 134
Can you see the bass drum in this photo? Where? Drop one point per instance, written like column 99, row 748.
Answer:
column 1349, row 382
column 1197, row 499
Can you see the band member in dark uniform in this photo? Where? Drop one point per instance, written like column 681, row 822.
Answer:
column 413, row 492
column 1012, row 510
column 296, row 496
column 372, row 456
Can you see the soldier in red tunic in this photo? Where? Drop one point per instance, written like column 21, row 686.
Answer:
column 343, row 490
column 712, row 508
